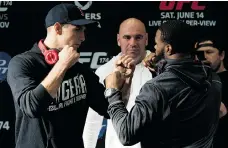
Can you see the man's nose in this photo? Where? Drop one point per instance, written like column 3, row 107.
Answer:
column 205, row 56
column 132, row 41
column 82, row 36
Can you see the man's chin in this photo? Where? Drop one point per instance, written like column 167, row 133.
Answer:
column 159, row 57
column 133, row 56
column 215, row 68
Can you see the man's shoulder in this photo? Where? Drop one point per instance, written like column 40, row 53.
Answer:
column 164, row 82
column 162, row 78
column 216, row 81
column 24, row 57
column 19, row 58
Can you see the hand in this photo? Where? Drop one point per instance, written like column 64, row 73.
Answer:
column 68, row 56
column 149, row 61
column 125, row 65
column 124, row 69
column 223, row 110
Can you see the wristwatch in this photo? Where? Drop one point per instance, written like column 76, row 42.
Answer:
column 110, row 91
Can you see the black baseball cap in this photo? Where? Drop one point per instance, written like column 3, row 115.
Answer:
column 66, row 14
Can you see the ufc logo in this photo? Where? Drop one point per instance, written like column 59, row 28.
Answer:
column 178, row 5
column 95, row 59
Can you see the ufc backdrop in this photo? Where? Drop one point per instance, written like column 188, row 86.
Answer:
column 22, row 24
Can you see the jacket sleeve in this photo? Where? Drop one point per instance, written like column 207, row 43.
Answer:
column 96, row 99
column 130, row 125
column 92, row 128
column 30, row 95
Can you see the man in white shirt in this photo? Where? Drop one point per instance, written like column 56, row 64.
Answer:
column 132, row 39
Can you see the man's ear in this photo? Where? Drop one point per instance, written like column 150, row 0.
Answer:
column 146, row 39
column 168, row 49
column 118, row 39
column 58, row 28
column 222, row 55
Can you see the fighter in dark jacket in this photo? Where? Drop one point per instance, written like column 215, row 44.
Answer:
column 177, row 109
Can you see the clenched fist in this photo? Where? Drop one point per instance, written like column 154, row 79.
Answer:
column 149, row 61
column 124, row 69
column 125, row 65
column 68, row 56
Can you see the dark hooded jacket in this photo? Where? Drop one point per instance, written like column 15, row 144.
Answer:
column 177, row 109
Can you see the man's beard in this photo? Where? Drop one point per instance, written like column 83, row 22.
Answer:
column 160, row 56
column 217, row 67
column 139, row 57
column 159, row 62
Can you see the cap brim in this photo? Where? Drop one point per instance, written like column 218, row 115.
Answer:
column 81, row 22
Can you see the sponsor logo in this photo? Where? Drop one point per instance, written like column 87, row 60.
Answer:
column 95, row 59
column 89, row 15
column 4, row 62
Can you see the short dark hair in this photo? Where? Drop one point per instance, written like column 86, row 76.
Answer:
column 178, row 34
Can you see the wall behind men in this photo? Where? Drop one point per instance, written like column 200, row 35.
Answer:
column 22, row 24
